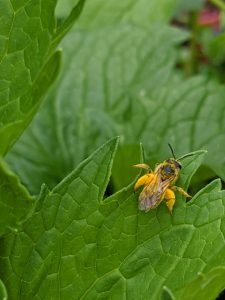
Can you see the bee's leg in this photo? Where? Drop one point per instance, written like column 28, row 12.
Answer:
column 181, row 191
column 142, row 166
column 170, row 199
column 144, row 180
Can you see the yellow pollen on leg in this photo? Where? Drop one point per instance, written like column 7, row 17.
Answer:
column 170, row 199
column 144, row 180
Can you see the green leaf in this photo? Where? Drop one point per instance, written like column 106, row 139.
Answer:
column 53, row 231
column 10, row 132
column 3, row 292
column 188, row 6
column 28, row 36
column 25, row 36
column 85, row 247
column 167, row 294
column 125, row 158
column 118, row 81
column 15, row 202
column 99, row 13
column 104, row 73
column 63, row 8
column 214, row 47
column 68, row 23
column 205, row 286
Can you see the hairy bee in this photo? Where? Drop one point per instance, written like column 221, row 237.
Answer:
column 159, row 184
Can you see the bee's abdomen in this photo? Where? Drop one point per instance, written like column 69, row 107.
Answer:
column 147, row 203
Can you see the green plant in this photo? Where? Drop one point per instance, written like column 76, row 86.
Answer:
column 82, row 236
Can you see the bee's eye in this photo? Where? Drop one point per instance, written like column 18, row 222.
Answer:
column 177, row 164
column 168, row 170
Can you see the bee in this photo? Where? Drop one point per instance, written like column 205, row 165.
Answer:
column 159, row 184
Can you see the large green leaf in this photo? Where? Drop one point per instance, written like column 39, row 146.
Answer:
column 99, row 13
column 51, row 229
column 118, row 81
column 100, row 93
column 27, row 31
column 78, row 246
column 15, row 202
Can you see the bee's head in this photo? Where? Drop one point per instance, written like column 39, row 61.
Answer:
column 170, row 169
column 174, row 162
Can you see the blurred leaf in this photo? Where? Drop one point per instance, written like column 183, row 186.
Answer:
column 86, row 248
column 63, row 8
column 126, row 157
column 3, row 292
column 167, row 294
column 118, row 81
column 214, row 47
column 205, row 286
column 15, row 202
column 68, row 23
column 100, row 13
column 101, row 93
column 202, row 177
column 184, row 6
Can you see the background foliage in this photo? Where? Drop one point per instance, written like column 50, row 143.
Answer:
column 125, row 71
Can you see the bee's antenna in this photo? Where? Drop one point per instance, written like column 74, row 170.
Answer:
column 171, row 150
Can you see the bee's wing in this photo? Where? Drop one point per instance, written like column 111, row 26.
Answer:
column 152, row 194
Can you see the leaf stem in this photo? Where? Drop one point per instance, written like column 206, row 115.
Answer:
column 193, row 67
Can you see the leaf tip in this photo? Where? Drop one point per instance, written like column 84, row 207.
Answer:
column 167, row 294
